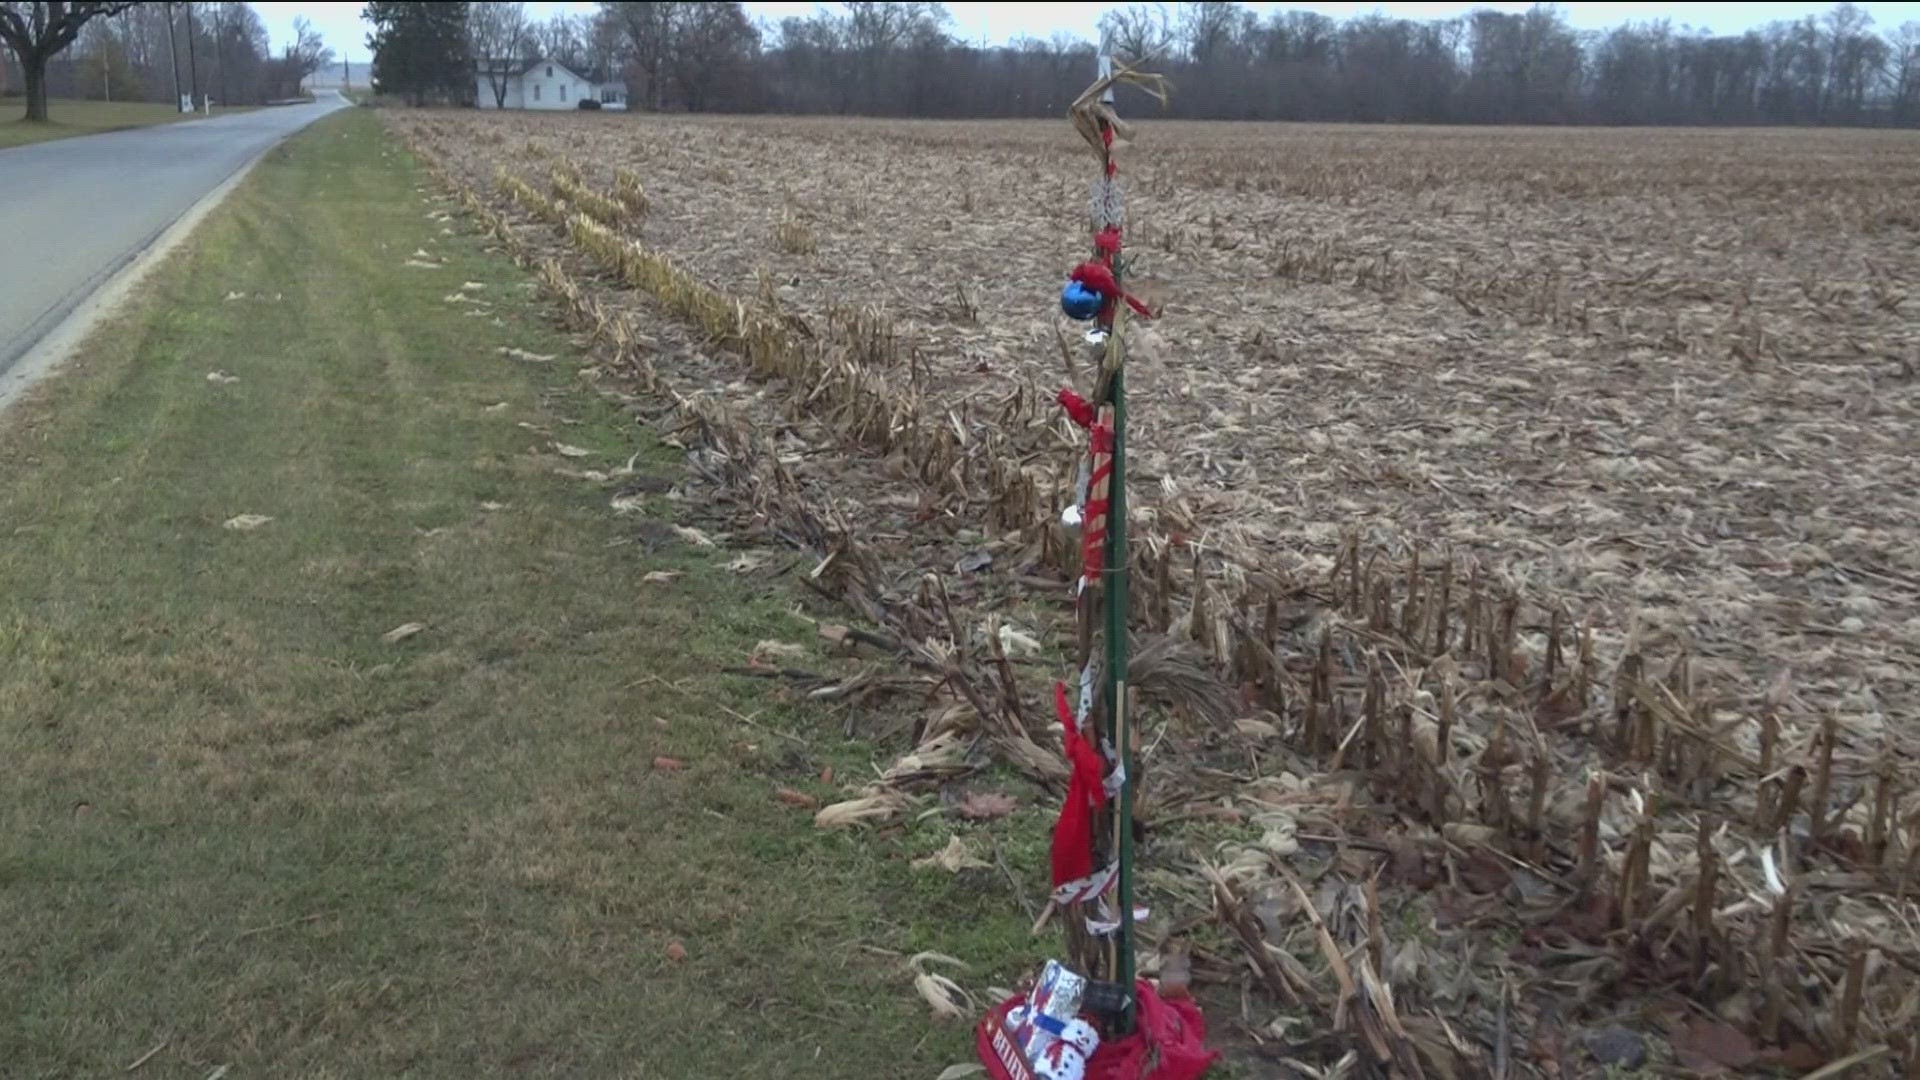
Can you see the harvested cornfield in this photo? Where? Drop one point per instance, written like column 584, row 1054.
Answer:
column 1540, row 504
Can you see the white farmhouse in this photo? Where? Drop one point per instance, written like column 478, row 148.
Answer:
column 546, row 84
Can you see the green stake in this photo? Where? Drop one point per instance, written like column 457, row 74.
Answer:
column 1116, row 678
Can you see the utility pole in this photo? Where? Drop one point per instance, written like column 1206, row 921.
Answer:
column 193, row 65
column 173, row 55
column 220, row 49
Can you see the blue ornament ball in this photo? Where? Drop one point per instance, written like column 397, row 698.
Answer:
column 1079, row 302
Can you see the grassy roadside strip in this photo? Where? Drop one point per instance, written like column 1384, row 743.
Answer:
column 71, row 117
column 242, row 827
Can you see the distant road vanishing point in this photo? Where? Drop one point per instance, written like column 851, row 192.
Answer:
column 74, row 211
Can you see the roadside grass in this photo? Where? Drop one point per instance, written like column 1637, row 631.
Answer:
column 71, row 116
column 240, row 828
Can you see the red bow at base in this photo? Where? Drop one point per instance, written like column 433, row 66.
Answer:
column 1171, row 1032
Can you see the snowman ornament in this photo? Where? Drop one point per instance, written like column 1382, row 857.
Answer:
column 1065, row 1058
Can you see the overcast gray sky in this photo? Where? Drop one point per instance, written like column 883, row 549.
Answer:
column 996, row 23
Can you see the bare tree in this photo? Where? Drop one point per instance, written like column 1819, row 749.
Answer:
column 713, row 42
column 878, row 34
column 563, row 38
column 649, row 30
column 307, row 51
column 601, row 47
column 1856, row 57
column 1300, row 37
column 873, row 28
column 1214, row 29
column 1525, row 66
column 689, row 47
column 497, row 37
column 138, row 37
column 1906, row 71
column 1137, row 31
column 37, row 31
column 301, row 57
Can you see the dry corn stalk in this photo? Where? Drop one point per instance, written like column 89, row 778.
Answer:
column 947, row 999
column 627, row 189
column 568, row 187
column 953, row 858
column 875, row 805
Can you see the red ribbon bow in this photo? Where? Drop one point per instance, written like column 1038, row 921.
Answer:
column 1079, row 409
column 1099, row 278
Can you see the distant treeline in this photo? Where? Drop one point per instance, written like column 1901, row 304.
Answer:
column 221, row 49
column 1487, row 67
column 901, row 59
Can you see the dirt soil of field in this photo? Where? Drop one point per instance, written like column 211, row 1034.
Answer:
column 1670, row 379
column 1668, row 375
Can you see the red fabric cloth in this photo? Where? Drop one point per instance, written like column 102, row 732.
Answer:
column 1073, row 833
column 1175, row 1030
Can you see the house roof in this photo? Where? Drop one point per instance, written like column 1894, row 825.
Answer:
column 516, row 70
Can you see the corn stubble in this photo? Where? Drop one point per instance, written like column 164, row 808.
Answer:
column 1595, row 733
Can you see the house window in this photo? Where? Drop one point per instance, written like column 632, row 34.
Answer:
column 536, row 91
column 563, row 91
column 608, row 96
column 549, row 71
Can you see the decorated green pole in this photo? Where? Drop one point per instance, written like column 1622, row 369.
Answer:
column 1108, row 214
column 1093, row 843
column 1118, row 607
column 1116, row 689
column 1047, row 1032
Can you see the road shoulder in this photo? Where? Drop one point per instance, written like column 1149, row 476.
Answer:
column 45, row 356
column 368, row 700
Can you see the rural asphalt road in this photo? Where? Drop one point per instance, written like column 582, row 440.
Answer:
column 73, row 211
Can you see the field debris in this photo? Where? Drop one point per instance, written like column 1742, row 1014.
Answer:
column 522, row 354
column 402, row 632
column 1525, row 524
column 948, row 999
column 958, row 855
column 876, row 804
column 694, row 536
